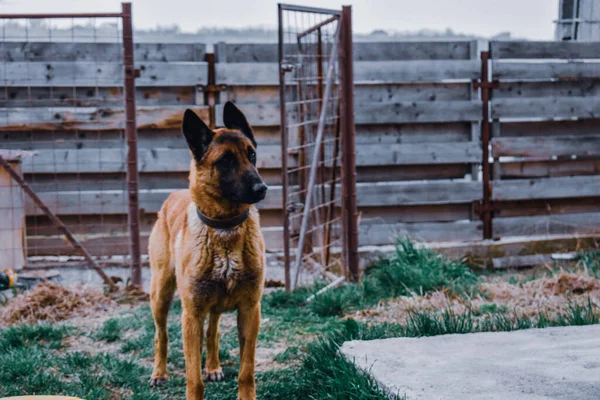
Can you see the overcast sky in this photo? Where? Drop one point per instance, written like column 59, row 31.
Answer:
column 530, row 19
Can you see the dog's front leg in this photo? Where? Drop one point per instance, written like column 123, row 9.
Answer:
column 248, row 327
column 192, row 324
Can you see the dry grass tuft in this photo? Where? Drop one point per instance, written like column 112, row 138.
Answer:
column 552, row 296
column 52, row 302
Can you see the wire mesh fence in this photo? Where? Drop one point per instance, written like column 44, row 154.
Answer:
column 64, row 122
column 311, row 141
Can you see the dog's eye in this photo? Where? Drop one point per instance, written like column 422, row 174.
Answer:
column 252, row 156
column 227, row 161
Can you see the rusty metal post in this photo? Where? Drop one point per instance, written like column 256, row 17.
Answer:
column 284, row 145
column 486, row 86
column 349, row 207
column 209, row 95
column 59, row 224
column 131, row 134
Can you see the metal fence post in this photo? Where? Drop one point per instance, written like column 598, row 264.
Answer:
column 348, row 144
column 485, row 85
column 131, row 133
column 284, row 144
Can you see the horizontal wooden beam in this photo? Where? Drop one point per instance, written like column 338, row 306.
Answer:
column 96, row 51
column 92, row 118
column 370, row 234
column 546, row 146
column 546, row 169
column 370, row 195
column 100, row 74
column 547, row 108
column 365, row 72
column 418, row 153
column 573, row 224
column 546, row 71
column 376, row 234
column 544, row 49
column 161, row 159
column 374, row 51
column 111, row 160
column 416, row 112
column 547, row 188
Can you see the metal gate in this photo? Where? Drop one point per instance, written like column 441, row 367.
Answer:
column 68, row 105
column 317, row 137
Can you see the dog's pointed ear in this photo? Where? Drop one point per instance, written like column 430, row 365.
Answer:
column 234, row 118
column 197, row 134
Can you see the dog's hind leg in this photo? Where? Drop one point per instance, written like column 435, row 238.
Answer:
column 162, row 288
column 213, row 371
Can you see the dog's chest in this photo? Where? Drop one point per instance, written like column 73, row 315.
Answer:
column 227, row 265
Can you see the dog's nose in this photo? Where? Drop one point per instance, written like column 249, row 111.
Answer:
column 260, row 189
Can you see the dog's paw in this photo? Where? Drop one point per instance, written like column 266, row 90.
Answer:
column 157, row 381
column 214, row 376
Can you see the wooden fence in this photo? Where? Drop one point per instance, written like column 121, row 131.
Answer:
column 418, row 136
column 546, row 138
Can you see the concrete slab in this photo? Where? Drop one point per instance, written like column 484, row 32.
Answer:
column 535, row 364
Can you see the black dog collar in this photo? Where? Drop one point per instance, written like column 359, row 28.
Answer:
column 223, row 223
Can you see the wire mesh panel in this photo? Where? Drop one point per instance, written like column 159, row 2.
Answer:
column 63, row 101
column 311, row 141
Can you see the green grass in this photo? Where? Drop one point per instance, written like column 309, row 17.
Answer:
column 409, row 270
column 34, row 360
column 590, row 260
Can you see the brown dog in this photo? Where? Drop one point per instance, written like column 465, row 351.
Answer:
column 207, row 242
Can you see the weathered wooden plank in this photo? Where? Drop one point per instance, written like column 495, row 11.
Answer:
column 371, row 234
column 546, row 71
column 257, row 114
column 531, row 208
column 522, row 261
column 574, row 224
column 545, row 169
column 100, row 160
column 100, row 74
column 95, row 97
column 418, row 153
column 412, row 50
column 528, row 89
column 415, row 71
column 371, row 194
column 545, row 147
column 544, row 49
column 252, row 73
column 411, row 172
column 413, row 133
column 362, row 51
column 103, row 245
column 160, row 159
column 547, row 108
column 548, row 188
column 92, row 118
column 377, row 93
column 415, row 112
column 96, row 51
column 551, row 128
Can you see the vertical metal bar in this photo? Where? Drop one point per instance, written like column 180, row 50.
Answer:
column 348, row 144
column 131, row 134
column 209, row 95
column 331, row 207
column 284, row 158
column 486, row 214
column 321, row 211
column 315, row 159
column 59, row 224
